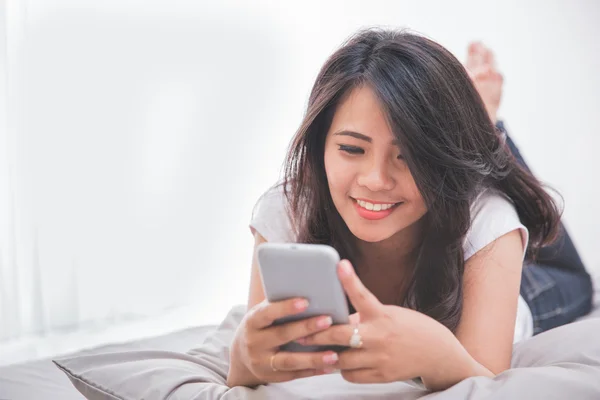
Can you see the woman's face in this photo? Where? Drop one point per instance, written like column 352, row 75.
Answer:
column 370, row 183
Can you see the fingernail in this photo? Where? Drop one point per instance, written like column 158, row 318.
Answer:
column 328, row 370
column 330, row 358
column 324, row 322
column 346, row 268
column 301, row 304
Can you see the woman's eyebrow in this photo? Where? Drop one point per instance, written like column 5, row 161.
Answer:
column 354, row 135
column 362, row 136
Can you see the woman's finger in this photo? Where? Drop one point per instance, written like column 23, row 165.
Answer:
column 335, row 335
column 265, row 313
column 361, row 298
column 357, row 359
column 281, row 334
column 354, row 319
column 297, row 361
column 291, row 375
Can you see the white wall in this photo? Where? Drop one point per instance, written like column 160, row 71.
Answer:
column 147, row 130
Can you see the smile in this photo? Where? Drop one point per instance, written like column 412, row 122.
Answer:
column 374, row 210
column 375, row 206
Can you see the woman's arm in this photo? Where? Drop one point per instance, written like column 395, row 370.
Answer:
column 256, row 293
column 453, row 367
column 484, row 337
column 238, row 373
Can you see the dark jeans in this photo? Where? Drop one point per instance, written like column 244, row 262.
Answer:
column 557, row 287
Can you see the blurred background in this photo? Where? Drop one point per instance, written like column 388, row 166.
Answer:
column 136, row 137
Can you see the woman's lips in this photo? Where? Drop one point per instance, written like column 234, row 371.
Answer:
column 372, row 214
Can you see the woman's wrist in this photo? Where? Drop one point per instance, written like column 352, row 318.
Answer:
column 239, row 374
column 451, row 365
column 241, row 377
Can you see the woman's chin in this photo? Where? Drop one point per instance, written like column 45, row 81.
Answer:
column 370, row 237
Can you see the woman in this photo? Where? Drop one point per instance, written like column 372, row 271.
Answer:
column 398, row 165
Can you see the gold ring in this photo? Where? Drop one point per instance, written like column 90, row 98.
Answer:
column 273, row 366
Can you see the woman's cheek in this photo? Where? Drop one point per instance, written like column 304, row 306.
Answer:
column 338, row 170
column 343, row 177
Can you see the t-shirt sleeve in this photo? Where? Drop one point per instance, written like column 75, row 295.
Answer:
column 270, row 217
column 492, row 216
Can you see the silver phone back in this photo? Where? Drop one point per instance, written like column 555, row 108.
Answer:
column 303, row 270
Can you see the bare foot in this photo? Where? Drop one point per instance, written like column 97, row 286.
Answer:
column 488, row 81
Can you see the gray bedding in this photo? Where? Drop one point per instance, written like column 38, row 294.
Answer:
column 562, row 363
column 42, row 380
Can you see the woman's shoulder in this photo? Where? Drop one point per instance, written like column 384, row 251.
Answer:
column 270, row 216
column 491, row 200
column 493, row 215
column 274, row 195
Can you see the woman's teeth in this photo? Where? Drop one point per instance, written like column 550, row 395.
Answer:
column 375, row 207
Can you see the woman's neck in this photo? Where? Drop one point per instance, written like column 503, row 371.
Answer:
column 397, row 252
column 386, row 267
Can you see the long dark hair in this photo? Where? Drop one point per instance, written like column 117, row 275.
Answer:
column 449, row 143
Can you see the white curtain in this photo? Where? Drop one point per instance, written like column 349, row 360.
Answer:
column 5, row 191
column 18, row 312
column 131, row 156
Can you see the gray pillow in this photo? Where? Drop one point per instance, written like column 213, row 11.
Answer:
column 561, row 363
column 157, row 374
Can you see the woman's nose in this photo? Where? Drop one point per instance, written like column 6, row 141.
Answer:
column 377, row 178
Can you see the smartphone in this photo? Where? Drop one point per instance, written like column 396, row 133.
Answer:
column 309, row 271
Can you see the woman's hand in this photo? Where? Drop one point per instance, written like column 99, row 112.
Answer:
column 255, row 355
column 397, row 343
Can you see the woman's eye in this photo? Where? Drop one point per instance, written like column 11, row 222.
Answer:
column 351, row 149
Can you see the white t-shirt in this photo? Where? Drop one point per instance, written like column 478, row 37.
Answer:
column 492, row 216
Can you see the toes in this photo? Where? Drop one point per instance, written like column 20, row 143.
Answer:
column 475, row 47
column 475, row 55
column 484, row 71
column 480, row 54
column 488, row 56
